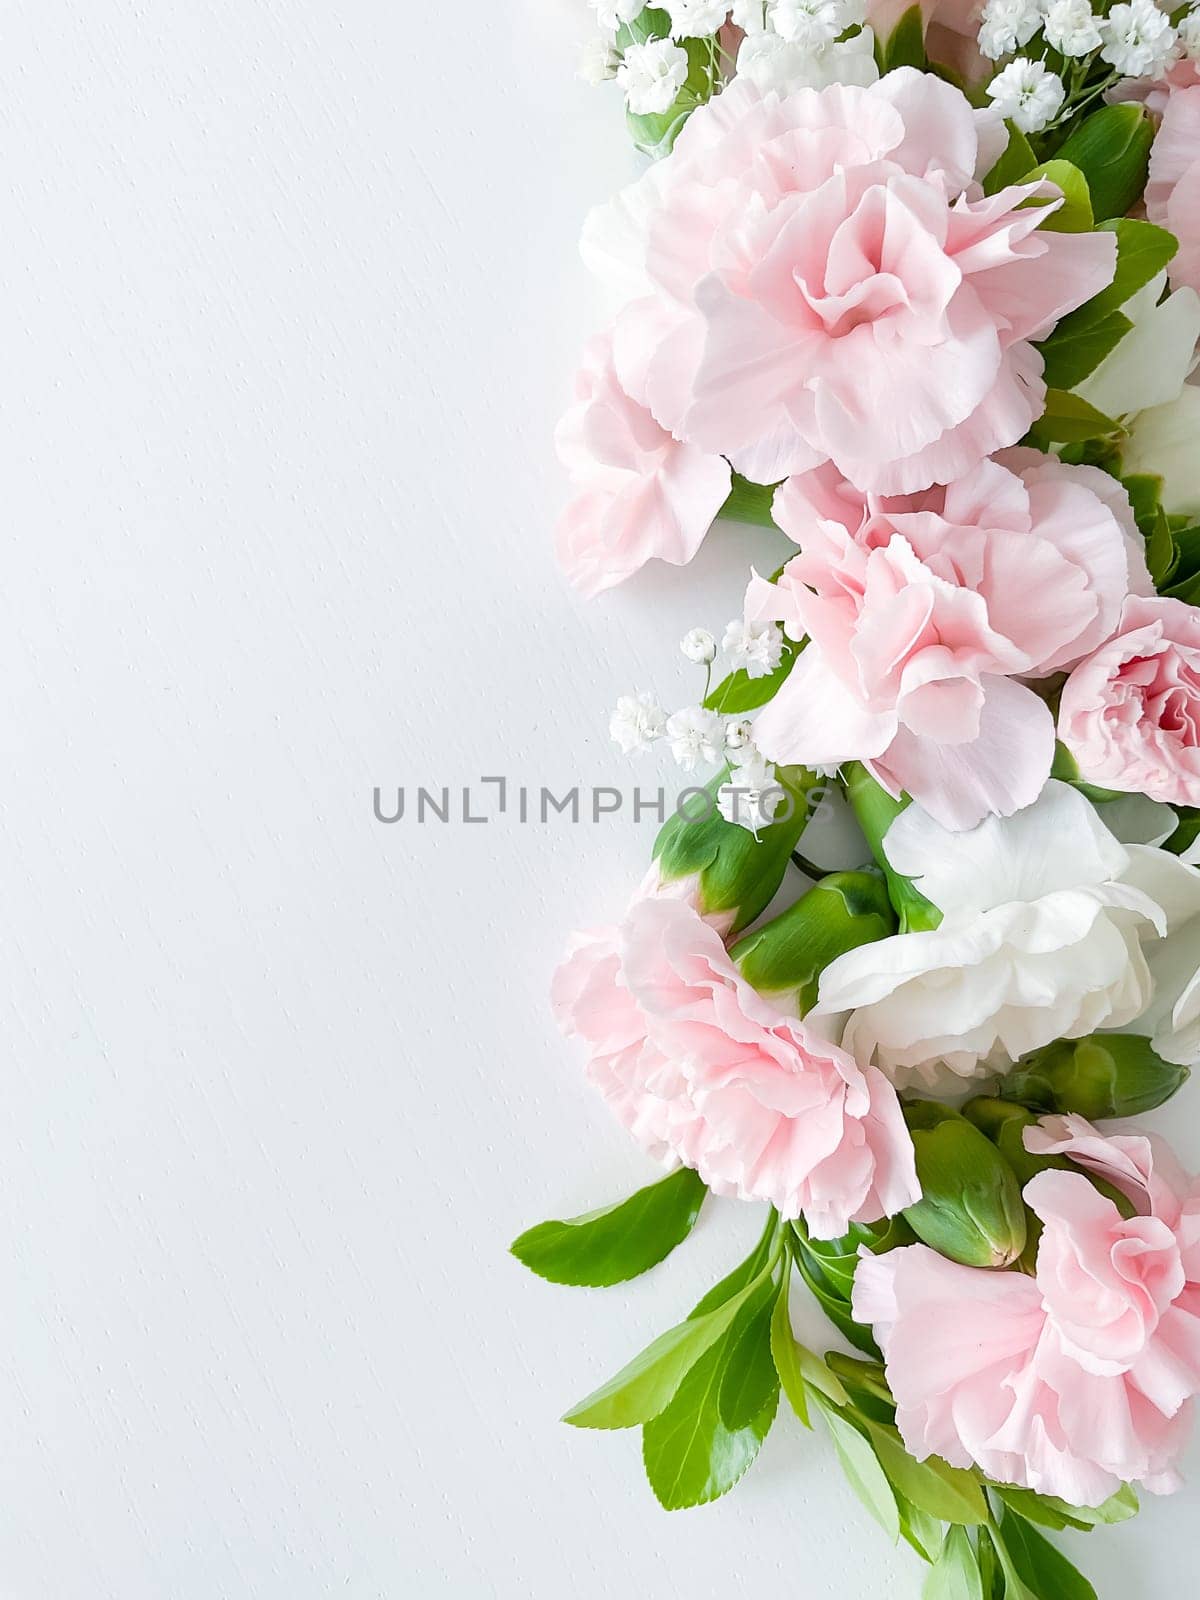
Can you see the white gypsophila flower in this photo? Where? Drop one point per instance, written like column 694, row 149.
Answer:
column 1072, row 27
column 751, row 16
column 599, row 59
column 696, row 19
column 1051, row 929
column 752, row 796
column 811, row 22
column 771, row 63
column 637, row 722
column 739, row 739
column 1007, row 25
column 610, row 14
column 755, row 647
column 1028, row 93
column 1189, row 34
column 698, row 645
column 1139, row 40
column 696, row 737
column 651, row 75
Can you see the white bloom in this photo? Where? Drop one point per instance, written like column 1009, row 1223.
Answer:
column 739, row 738
column 1072, row 27
column 1008, row 24
column 696, row 737
column 812, row 23
column 698, row 645
column 611, row 14
column 1028, row 93
column 696, row 19
column 637, row 722
column 770, row 63
column 1189, row 34
column 756, row 647
column 651, row 75
column 1150, row 365
column 599, row 59
column 1050, row 931
column 752, row 796
column 1138, row 39
column 751, row 16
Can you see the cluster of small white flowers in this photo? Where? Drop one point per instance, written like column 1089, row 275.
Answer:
column 1006, row 25
column 696, row 19
column 610, row 14
column 1189, row 34
column 1072, row 27
column 1028, row 94
column 1138, row 39
column 652, row 74
column 813, row 23
column 698, row 736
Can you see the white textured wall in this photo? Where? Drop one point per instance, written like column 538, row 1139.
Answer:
column 289, row 300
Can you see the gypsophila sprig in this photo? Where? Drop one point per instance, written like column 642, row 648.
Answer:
column 696, row 737
column 1072, row 27
column 610, row 14
column 812, row 23
column 1139, row 40
column 754, row 647
column 637, row 722
column 739, row 736
column 652, row 74
column 599, row 59
column 1028, row 94
column 1189, row 34
column 751, row 16
column 696, row 19
column 1007, row 25
column 698, row 645
column 753, row 796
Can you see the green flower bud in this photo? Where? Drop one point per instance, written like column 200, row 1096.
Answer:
column 971, row 1208
column 1104, row 1075
column 737, row 873
column 785, row 958
column 876, row 811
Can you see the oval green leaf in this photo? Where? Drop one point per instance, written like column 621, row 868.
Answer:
column 955, row 1574
column 932, row 1485
column 621, row 1241
column 863, row 1471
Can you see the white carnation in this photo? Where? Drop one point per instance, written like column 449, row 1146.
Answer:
column 1027, row 93
column 1139, row 40
column 1051, row 930
column 652, row 75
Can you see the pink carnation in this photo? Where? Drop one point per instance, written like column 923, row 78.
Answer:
column 820, row 278
column 1173, row 192
column 702, row 1070
column 1075, row 1381
column 922, row 611
column 1130, row 713
column 643, row 493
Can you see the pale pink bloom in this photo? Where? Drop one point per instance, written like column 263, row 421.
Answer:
column 819, row 277
column 702, row 1070
column 1074, row 1381
column 922, row 611
column 642, row 493
column 1173, row 191
column 1130, row 713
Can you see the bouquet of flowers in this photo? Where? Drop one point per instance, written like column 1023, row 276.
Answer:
column 918, row 289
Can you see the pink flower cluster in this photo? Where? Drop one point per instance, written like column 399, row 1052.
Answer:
column 703, row 1070
column 1080, row 1378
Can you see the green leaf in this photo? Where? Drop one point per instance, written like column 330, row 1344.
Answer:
column 646, row 1386
column 1012, row 166
column 1075, row 213
column 1143, row 250
column 1111, row 147
column 835, row 1307
column 1074, row 350
column 621, row 1241
column 1069, row 419
column 932, row 1485
column 905, row 46
column 750, row 502
column 924, row 1533
column 955, row 1575
column 866, row 1477
column 749, row 1378
column 1055, row 1514
column 1046, row 1571
column 739, row 692
column 798, row 1369
column 691, row 1456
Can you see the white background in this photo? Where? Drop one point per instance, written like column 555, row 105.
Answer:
column 289, row 301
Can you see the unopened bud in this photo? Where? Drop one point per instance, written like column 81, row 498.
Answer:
column 970, row 1208
column 785, row 958
column 876, row 810
column 1105, row 1075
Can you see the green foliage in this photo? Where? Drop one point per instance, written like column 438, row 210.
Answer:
column 905, row 46
column 740, row 692
column 1074, row 215
column 1018, row 160
column 1033, row 1567
column 1111, row 147
column 955, row 1575
column 1104, row 1075
column 787, row 955
column 876, row 810
column 1069, row 419
column 655, row 134
column 862, row 1468
column 750, row 502
column 621, row 1241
